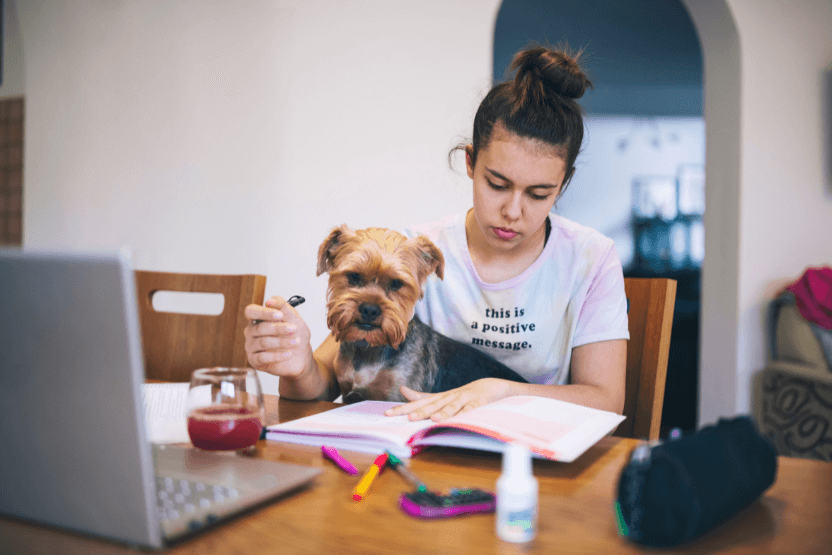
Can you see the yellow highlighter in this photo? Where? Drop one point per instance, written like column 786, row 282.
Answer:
column 360, row 491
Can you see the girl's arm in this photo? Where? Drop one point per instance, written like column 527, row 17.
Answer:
column 598, row 381
column 278, row 342
column 598, row 376
column 318, row 380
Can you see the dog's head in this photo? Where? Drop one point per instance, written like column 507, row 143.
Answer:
column 375, row 278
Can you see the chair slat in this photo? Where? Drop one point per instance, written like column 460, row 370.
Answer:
column 650, row 317
column 174, row 344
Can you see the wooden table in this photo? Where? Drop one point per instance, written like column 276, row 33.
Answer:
column 576, row 510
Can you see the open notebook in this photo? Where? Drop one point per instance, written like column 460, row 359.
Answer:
column 165, row 408
column 551, row 429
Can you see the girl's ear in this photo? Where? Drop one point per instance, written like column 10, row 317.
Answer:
column 469, row 160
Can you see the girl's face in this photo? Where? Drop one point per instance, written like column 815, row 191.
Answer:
column 516, row 183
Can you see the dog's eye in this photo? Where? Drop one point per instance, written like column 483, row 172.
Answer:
column 354, row 278
column 395, row 285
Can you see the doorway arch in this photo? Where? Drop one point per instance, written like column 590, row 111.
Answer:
column 643, row 56
column 719, row 366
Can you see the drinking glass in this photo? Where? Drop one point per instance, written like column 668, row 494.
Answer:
column 225, row 408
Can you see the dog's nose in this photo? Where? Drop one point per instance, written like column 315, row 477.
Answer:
column 369, row 312
column 353, row 397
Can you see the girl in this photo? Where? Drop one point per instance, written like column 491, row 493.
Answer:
column 540, row 293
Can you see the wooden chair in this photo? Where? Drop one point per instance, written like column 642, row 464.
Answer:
column 176, row 344
column 651, row 304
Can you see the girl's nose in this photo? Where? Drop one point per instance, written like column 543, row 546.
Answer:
column 513, row 208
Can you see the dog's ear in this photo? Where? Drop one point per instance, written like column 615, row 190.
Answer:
column 430, row 257
column 326, row 252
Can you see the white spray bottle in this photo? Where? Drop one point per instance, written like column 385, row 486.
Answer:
column 517, row 493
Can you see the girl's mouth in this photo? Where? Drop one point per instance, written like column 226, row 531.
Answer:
column 505, row 234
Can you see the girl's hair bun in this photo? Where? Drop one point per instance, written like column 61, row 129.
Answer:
column 538, row 104
column 540, row 70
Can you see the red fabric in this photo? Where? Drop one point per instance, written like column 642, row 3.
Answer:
column 813, row 292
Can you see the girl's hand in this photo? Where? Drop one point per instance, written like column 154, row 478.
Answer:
column 437, row 406
column 279, row 342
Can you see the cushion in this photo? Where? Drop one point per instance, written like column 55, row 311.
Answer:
column 793, row 405
column 796, row 342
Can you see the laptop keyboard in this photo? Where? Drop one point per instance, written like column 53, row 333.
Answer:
column 177, row 498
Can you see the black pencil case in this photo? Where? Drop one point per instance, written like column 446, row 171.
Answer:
column 677, row 490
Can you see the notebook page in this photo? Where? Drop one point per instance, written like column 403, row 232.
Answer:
column 165, row 400
column 551, row 428
column 358, row 427
column 165, row 406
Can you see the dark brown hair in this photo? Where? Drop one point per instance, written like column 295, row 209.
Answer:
column 538, row 103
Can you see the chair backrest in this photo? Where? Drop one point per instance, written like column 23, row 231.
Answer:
column 651, row 303
column 176, row 344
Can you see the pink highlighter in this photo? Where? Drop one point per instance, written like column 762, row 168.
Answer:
column 343, row 464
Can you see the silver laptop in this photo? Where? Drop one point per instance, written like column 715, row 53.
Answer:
column 75, row 449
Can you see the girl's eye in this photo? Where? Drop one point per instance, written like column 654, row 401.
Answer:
column 538, row 197
column 496, row 187
column 354, row 278
column 396, row 284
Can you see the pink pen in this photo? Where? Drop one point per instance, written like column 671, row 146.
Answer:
column 343, row 464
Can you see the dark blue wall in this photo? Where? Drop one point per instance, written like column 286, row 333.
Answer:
column 643, row 56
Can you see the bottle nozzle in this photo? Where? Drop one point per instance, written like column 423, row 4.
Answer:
column 517, row 460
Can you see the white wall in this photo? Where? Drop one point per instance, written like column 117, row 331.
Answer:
column 213, row 137
column 769, row 213
column 228, row 137
column 785, row 207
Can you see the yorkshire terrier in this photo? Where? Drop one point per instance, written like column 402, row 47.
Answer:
column 375, row 278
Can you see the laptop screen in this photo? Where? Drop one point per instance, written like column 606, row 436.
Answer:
column 75, row 453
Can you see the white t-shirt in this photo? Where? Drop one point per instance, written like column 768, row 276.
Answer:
column 571, row 295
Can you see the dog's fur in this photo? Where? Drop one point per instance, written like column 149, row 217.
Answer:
column 375, row 279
